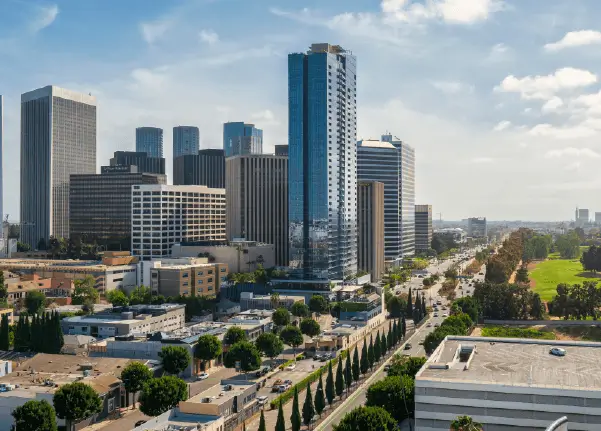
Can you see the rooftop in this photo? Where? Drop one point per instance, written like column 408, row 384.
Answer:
column 515, row 362
column 373, row 143
column 220, row 393
column 121, row 314
column 58, row 265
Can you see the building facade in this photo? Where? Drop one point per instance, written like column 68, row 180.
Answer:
column 100, row 204
column 476, row 227
column 149, row 140
column 164, row 215
column 281, row 150
column 58, row 138
column 322, row 180
column 201, row 279
column 206, row 168
column 370, row 228
column 240, row 139
column 423, row 227
column 144, row 162
column 186, row 140
column 256, row 190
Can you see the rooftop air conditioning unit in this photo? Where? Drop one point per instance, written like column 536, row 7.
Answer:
column 206, row 400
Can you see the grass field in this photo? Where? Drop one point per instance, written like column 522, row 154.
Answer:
column 548, row 274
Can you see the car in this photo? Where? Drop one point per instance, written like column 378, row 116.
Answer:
column 278, row 382
column 386, row 367
column 283, row 388
column 317, row 357
column 435, row 314
column 445, row 315
column 421, row 342
column 287, row 382
column 137, row 424
column 202, row 376
column 557, row 351
column 408, row 346
column 436, row 325
column 262, row 400
column 290, row 367
column 429, row 324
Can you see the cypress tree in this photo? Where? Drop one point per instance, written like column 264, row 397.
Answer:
column 4, row 333
column 59, row 339
column 417, row 307
column 280, row 424
column 377, row 348
column 355, row 367
column 262, row 426
column 320, row 399
column 339, row 380
column 308, row 408
column 403, row 327
column 348, row 372
column 370, row 353
column 394, row 334
column 364, row 364
column 410, row 304
column 424, row 308
column 330, row 384
column 295, row 418
column 17, row 340
column 384, row 344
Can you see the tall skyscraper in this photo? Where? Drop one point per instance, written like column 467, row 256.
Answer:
column 149, row 140
column 476, row 227
column 256, row 194
column 1, row 154
column 240, row 139
column 322, row 179
column 145, row 163
column 370, row 222
column 207, row 168
column 58, row 138
column 186, row 140
column 281, row 150
column 423, row 227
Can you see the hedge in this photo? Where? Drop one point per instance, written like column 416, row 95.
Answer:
column 299, row 357
column 302, row 385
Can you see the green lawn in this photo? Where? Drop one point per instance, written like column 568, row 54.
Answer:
column 513, row 332
column 548, row 274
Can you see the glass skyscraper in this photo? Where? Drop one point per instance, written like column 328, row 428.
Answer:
column 149, row 140
column 186, row 140
column 240, row 139
column 322, row 184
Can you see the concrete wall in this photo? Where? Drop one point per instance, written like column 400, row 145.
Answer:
column 230, row 255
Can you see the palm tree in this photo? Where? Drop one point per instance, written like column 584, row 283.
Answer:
column 465, row 423
column 275, row 300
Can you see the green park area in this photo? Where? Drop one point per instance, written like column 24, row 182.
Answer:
column 546, row 275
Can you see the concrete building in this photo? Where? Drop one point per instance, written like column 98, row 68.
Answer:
column 582, row 217
column 134, row 319
column 476, row 227
column 250, row 301
column 175, row 419
column 239, row 255
column 144, row 162
column 58, row 138
column 55, row 289
column 194, row 279
column 186, row 140
column 1, row 171
column 240, row 139
column 281, row 150
column 100, row 205
column 165, row 215
column 597, row 217
column 423, row 227
column 256, row 190
column 149, row 140
column 206, row 168
column 509, row 384
column 322, row 179
column 370, row 228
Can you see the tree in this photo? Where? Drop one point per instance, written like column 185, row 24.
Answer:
column 35, row 415
column 409, row 311
column 320, row 399
column 281, row 317
column 3, row 290
column 465, row 423
column 310, row 327
column 4, row 333
column 246, row 354
column 262, row 426
column 470, row 306
column 318, row 304
column 370, row 353
column 22, row 334
column 405, row 366
column 234, row 335
column 75, row 402
column 348, row 371
column 395, row 394
column 295, row 417
column 162, row 394
column 367, row 419
column 403, row 327
column 355, row 366
column 568, row 246
column 269, row 344
column 275, row 300
column 117, row 298
column 308, row 408
column 84, row 291
column 424, row 308
column 175, row 359
column 140, row 295
column 135, row 376
column 300, row 309
column 24, row 247
column 280, row 424
column 364, row 364
column 384, row 344
column 35, row 302
column 208, row 347
column 330, row 384
column 394, row 334
column 339, row 379
column 395, row 307
column 292, row 336
column 377, row 348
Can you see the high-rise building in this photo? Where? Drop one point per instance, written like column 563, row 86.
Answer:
column 149, row 140
column 597, row 217
column 423, row 227
column 392, row 163
column 322, row 179
column 256, row 190
column 58, row 138
column 179, row 214
column 206, row 168
column 476, row 227
column 144, row 162
column 241, row 139
column 186, row 140
column 1, row 154
column 100, row 204
column 370, row 227
column 582, row 217
column 281, row 150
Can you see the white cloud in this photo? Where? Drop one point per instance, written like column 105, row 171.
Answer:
column 481, row 160
column 208, row 36
column 575, row 38
column 44, row 17
column 453, row 87
column 545, row 87
column 571, row 132
column 574, row 166
column 572, row 152
column 450, row 11
column 498, row 53
column 264, row 117
column 552, row 105
column 153, row 31
column 502, row 125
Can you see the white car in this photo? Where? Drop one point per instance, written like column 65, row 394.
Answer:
column 262, row 400
column 290, row 367
column 445, row 315
column 429, row 324
column 202, row 376
column 557, row 351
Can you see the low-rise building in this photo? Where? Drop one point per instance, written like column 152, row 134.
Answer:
column 248, row 301
column 510, row 384
column 54, row 288
column 194, row 278
column 134, row 319
column 260, row 319
column 361, row 309
column 342, row 335
column 175, row 419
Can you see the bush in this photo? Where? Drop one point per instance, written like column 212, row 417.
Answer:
column 501, row 331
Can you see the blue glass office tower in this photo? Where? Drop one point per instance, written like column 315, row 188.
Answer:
column 322, row 181
column 186, row 140
column 240, row 139
column 149, row 140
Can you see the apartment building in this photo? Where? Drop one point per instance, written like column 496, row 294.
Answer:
column 197, row 279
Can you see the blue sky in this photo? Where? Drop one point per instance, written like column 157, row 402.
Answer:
column 499, row 98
